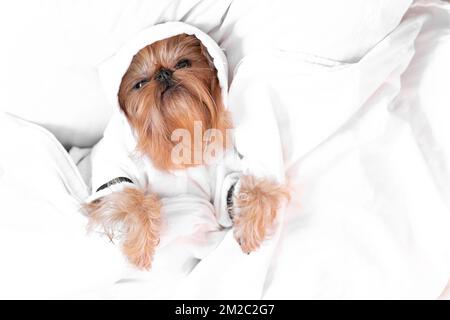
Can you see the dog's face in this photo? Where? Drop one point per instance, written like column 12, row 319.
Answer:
column 170, row 85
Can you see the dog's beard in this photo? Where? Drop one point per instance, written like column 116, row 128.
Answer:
column 161, row 112
column 159, row 109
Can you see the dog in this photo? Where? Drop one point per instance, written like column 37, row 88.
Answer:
column 172, row 84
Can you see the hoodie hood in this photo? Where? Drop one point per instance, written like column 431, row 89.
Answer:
column 112, row 70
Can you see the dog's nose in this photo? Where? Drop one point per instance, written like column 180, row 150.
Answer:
column 164, row 76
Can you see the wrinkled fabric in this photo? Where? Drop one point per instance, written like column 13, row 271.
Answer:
column 364, row 143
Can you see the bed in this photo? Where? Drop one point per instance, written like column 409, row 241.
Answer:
column 351, row 101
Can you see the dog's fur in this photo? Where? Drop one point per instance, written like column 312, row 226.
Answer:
column 136, row 215
column 156, row 110
column 189, row 91
column 256, row 204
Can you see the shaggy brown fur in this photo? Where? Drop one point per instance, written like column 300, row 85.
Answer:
column 137, row 216
column 257, row 204
column 156, row 110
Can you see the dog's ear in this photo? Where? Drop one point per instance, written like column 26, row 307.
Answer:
column 207, row 55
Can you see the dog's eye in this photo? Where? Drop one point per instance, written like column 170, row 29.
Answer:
column 183, row 63
column 140, row 84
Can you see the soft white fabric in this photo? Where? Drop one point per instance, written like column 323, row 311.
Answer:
column 338, row 30
column 48, row 69
column 45, row 249
column 368, row 220
column 116, row 156
column 369, row 158
column 371, row 218
column 48, row 73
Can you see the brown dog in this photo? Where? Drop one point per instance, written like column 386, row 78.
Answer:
column 171, row 84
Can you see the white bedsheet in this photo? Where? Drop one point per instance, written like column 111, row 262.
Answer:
column 366, row 146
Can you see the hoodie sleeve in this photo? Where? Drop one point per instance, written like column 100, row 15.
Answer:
column 114, row 164
column 225, row 179
column 258, row 128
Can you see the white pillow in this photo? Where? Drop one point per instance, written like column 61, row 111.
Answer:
column 339, row 30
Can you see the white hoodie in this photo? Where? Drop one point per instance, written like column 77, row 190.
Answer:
column 195, row 199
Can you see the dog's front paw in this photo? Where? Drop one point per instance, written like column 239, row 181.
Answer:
column 135, row 215
column 256, row 203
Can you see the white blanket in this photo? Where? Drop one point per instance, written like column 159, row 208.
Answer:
column 366, row 146
column 45, row 251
